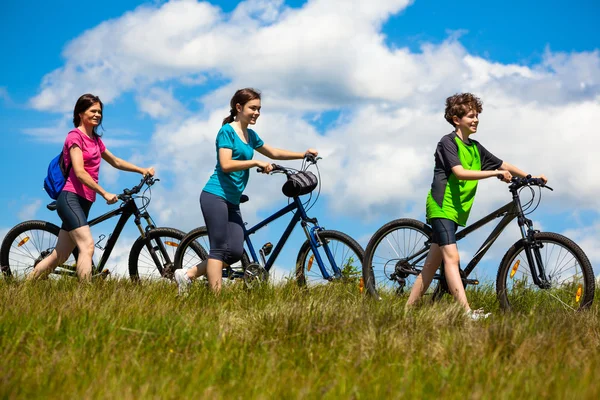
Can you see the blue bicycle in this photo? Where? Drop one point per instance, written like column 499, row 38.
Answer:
column 338, row 257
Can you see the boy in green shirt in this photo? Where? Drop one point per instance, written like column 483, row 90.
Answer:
column 459, row 163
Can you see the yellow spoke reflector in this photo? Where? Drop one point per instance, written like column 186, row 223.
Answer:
column 310, row 261
column 361, row 285
column 514, row 268
column 578, row 295
column 171, row 244
column 22, row 242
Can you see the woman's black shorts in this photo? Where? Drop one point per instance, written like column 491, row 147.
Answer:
column 73, row 210
column 444, row 231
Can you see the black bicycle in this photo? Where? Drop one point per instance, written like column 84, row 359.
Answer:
column 542, row 269
column 325, row 256
column 151, row 255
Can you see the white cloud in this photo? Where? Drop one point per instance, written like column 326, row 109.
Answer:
column 28, row 211
column 378, row 156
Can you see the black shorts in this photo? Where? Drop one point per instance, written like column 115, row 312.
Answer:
column 73, row 210
column 444, row 231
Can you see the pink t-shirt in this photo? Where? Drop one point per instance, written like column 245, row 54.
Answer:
column 92, row 150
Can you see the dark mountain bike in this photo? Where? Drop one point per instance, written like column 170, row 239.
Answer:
column 151, row 255
column 541, row 270
column 325, row 256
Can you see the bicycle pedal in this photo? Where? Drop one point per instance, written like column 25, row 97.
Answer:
column 472, row 281
column 105, row 272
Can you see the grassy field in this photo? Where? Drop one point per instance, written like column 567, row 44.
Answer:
column 115, row 339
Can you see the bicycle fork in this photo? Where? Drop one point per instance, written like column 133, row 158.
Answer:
column 533, row 254
column 315, row 242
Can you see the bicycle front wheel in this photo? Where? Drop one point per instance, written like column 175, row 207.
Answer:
column 338, row 249
column 395, row 255
column 28, row 243
column 570, row 278
column 153, row 257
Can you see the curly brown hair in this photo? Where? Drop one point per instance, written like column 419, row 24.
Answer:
column 460, row 104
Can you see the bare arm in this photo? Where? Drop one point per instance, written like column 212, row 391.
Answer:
column 513, row 170
column 229, row 165
column 123, row 165
column 280, row 154
column 85, row 178
column 468, row 175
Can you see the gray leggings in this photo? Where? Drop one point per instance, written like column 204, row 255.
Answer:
column 225, row 228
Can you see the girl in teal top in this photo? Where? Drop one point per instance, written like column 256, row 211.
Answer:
column 220, row 198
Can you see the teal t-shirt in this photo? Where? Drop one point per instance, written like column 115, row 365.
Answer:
column 230, row 186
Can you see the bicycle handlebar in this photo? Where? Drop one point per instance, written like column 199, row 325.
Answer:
column 310, row 158
column 127, row 193
column 517, row 183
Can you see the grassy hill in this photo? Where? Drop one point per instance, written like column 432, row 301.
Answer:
column 115, row 339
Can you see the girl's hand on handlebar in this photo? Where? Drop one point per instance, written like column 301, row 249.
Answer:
column 148, row 171
column 264, row 167
column 110, row 198
column 312, row 152
column 504, row 176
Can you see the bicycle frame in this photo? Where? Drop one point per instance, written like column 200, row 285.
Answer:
column 311, row 235
column 128, row 209
column 508, row 212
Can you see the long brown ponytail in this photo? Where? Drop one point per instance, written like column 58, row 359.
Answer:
column 240, row 97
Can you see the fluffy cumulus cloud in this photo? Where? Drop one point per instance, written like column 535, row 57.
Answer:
column 325, row 58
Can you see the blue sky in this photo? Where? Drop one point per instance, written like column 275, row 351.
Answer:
column 380, row 86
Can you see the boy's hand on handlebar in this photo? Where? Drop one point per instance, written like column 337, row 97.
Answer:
column 148, row 171
column 311, row 152
column 110, row 198
column 542, row 177
column 504, row 176
column 264, row 167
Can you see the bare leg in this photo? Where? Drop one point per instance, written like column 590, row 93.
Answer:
column 213, row 269
column 455, row 285
column 82, row 237
column 60, row 254
column 432, row 263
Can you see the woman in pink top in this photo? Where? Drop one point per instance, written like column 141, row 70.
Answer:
column 83, row 151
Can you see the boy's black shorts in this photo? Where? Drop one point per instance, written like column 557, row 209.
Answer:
column 444, row 231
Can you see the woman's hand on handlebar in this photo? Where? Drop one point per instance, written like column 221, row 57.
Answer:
column 148, row 171
column 264, row 167
column 110, row 198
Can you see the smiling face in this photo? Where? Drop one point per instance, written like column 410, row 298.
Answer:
column 92, row 117
column 249, row 112
column 468, row 123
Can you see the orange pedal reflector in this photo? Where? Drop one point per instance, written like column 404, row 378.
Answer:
column 310, row 262
column 514, row 268
column 22, row 242
column 578, row 295
column 361, row 285
column 173, row 244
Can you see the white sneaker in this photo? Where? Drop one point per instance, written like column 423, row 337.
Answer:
column 477, row 315
column 183, row 282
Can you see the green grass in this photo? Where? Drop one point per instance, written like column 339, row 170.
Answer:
column 115, row 339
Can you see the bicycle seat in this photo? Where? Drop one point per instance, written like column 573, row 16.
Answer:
column 244, row 198
column 51, row 206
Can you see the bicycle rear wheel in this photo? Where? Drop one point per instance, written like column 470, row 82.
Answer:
column 337, row 248
column 567, row 268
column 153, row 257
column 396, row 249
column 187, row 258
column 29, row 242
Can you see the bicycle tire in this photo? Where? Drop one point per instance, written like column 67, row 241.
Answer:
column 307, row 274
column 379, row 262
column 26, row 244
column 165, row 243
column 183, row 259
column 575, row 293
